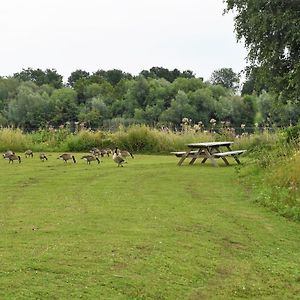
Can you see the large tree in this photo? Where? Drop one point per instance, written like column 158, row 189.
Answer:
column 270, row 31
column 225, row 77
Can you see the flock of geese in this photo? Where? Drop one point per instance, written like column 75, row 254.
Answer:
column 118, row 156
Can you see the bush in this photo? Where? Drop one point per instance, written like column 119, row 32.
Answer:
column 83, row 141
column 292, row 133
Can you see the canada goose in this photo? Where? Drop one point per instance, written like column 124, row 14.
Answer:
column 43, row 157
column 8, row 153
column 90, row 158
column 95, row 151
column 118, row 159
column 13, row 157
column 108, row 151
column 125, row 153
column 66, row 156
column 103, row 152
column 28, row 153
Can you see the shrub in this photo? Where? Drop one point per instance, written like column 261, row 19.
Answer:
column 292, row 133
column 84, row 140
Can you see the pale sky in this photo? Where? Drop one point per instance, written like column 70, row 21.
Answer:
column 130, row 35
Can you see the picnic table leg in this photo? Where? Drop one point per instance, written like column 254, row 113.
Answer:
column 236, row 159
column 192, row 160
column 184, row 156
column 234, row 156
column 212, row 159
column 223, row 157
column 196, row 156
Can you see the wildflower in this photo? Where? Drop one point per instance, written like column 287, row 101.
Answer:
column 185, row 120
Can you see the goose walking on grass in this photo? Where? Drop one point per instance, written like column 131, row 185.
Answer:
column 14, row 157
column 125, row 153
column 118, row 159
column 90, row 158
column 28, row 153
column 7, row 154
column 66, row 156
column 43, row 157
column 95, row 151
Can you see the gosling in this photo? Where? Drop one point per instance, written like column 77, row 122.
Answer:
column 90, row 158
column 66, row 156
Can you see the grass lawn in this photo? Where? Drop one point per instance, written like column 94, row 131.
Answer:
column 150, row 230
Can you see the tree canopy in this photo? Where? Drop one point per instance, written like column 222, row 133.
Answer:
column 106, row 99
column 270, row 31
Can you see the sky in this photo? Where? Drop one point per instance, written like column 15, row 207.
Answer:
column 130, row 35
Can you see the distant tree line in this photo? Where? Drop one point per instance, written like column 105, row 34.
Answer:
column 36, row 98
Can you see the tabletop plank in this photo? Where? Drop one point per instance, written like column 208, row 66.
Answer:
column 209, row 144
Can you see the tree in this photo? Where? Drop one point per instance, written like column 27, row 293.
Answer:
column 112, row 76
column 76, row 75
column 40, row 77
column 270, row 31
column 29, row 109
column 160, row 72
column 180, row 108
column 63, row 106
column 225, row 77
column 204, row 104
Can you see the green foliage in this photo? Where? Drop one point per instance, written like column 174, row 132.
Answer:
column 292, row 133
column 105, row 100
column 160, row 72
column 49, row 139
column 281, row 187
column 40, row 77
column 226, row 78
column 76, row 75
column 270, row 30
column 30, row 109
column 273, row 172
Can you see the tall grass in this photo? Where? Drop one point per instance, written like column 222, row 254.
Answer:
column 137, row 138
column 280, row 187
column 141, row 138
column 274, row 174
column 14, row 139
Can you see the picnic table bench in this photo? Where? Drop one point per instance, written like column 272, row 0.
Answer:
column 211, row 151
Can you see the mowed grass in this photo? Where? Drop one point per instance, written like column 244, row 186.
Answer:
column 150, row 230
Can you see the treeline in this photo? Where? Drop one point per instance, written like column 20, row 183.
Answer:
column 34, row 99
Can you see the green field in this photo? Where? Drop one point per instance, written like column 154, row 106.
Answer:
column 150, row 230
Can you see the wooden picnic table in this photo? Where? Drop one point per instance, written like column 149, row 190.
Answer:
column 209, row 150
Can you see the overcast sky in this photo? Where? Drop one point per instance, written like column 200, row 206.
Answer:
column 131, row 35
